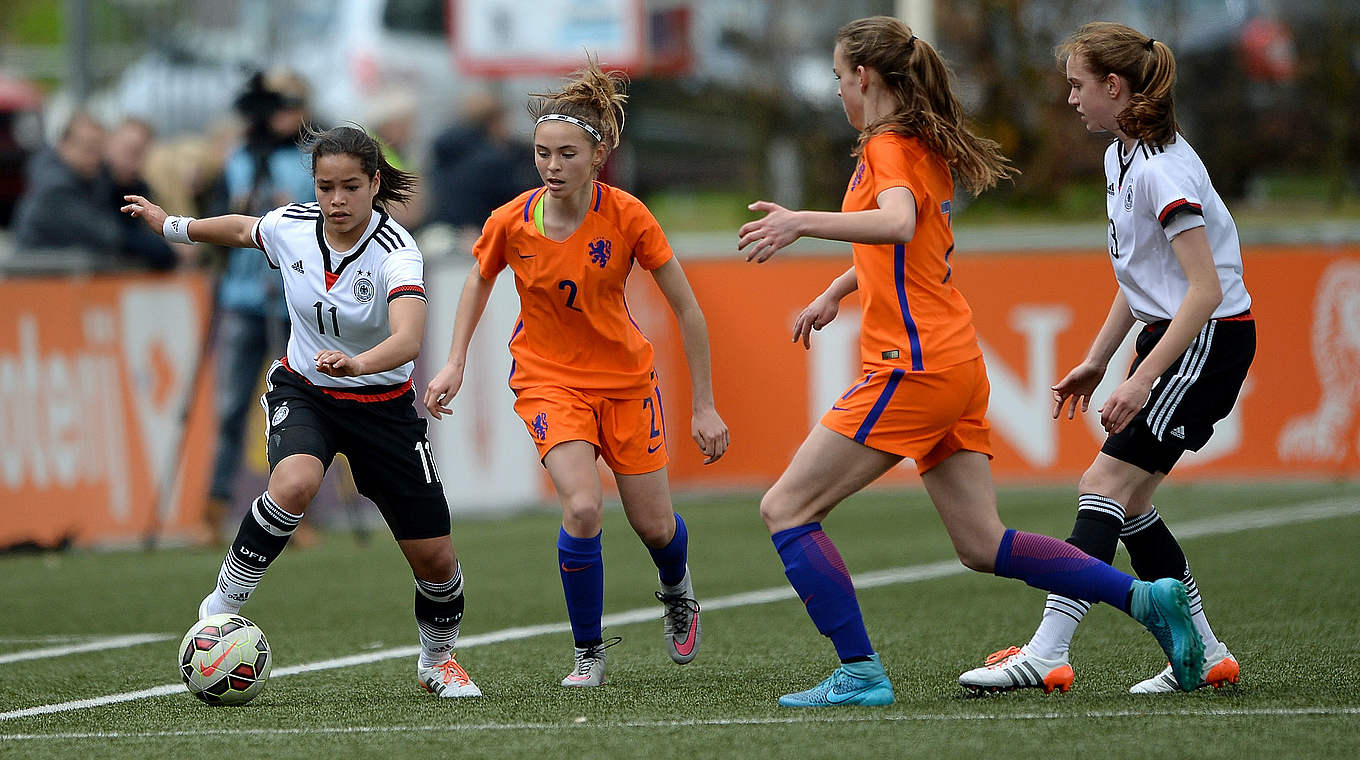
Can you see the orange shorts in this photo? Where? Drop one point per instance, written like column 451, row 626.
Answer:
column 925, row 416
column 630, row 433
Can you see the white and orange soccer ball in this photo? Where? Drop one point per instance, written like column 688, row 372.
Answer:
column 225, row 660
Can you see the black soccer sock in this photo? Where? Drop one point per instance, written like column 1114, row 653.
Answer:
column 1153, row 551
column 439, row 612
column 264, row 532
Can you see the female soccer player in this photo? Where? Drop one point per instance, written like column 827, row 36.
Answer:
column 356, row 299
column 1174, row 248
column 924, row 391
column 582, row 373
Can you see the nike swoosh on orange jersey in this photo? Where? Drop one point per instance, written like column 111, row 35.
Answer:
column 213, row 667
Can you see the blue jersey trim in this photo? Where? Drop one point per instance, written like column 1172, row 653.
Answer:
column 880, row 405
column 900, row 277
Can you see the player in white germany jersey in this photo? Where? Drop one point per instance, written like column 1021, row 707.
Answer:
column 338, row 300
column 353, row 281
column 1178, row 264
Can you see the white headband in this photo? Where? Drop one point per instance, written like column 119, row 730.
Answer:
column 593, row 132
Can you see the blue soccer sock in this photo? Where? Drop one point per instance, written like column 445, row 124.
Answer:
column 1047, row 563
column 670, row 559
column 581, row 563
column 818, row 574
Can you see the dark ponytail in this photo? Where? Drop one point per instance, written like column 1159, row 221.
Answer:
column 394, row 185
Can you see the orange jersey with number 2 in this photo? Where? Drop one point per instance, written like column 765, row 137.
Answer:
column 574, row 329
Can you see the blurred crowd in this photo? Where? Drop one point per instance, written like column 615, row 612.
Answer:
column 64, row 215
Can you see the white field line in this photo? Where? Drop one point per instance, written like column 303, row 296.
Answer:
column 1230, row 523
column 95, row 645
column 795, row 717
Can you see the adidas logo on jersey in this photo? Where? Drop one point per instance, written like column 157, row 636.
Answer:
column 297, row 267
column 1178, row 432
column 1109, row 189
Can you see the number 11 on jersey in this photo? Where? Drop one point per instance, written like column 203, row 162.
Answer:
column 320, row 323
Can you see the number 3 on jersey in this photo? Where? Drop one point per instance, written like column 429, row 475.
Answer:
column 320, row 321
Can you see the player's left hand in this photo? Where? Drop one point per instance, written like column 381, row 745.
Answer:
column 337, row 364
column 141, row 208
column 711, row 433
column 1124, row 404
column 766, row 236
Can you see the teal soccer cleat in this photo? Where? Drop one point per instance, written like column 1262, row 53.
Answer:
column 853, row 683
column 1163, row 607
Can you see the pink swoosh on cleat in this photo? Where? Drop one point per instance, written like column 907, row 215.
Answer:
column 683, row 648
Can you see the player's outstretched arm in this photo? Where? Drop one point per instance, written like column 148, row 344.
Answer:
column 894, row 221
column 232, row 230
column 706, row 426
column 444, row 385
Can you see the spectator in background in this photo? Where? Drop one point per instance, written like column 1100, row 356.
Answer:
column 476, row 167
column 392, row 120
column 268, row 170
column 123, row 173
column 67, row 205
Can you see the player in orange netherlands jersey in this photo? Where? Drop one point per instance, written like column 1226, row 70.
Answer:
column 354, row 282
column 582, row 371
column 924, row 390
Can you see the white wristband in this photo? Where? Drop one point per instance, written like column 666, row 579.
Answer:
column 176, row 229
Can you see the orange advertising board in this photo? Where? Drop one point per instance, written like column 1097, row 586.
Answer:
column 93, row 378
column 94, row 374
column 1036, row 314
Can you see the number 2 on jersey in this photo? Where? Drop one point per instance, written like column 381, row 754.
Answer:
column 570, row 287
column 321, row 325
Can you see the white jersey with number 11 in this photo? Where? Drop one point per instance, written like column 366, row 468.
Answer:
column 337, row 300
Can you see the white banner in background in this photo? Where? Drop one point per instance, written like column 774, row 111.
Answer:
column 485, row 457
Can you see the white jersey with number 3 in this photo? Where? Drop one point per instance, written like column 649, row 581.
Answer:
column 1153, row 195
column 337, row 300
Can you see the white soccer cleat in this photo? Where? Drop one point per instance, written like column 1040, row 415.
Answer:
column 589, row 667
column 1015, row 668
column 1220, row 669
column 681, row 620
column 447, row 679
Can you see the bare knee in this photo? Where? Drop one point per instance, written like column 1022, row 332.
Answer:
column 293, row 489
column 977, row 560
column 779, row 510
column 977, row 550
column 657, row 532
column 434, row 565
column 1092, row 482
column 581, row 514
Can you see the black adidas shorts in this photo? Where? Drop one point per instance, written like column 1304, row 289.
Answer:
column 378, row 431
column 1197, row 390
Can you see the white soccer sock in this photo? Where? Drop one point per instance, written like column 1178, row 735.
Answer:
column 1197, row 612
column 1053, row 637
column 1098, row 518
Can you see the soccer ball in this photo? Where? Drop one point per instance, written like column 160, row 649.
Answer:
column 224, row 660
